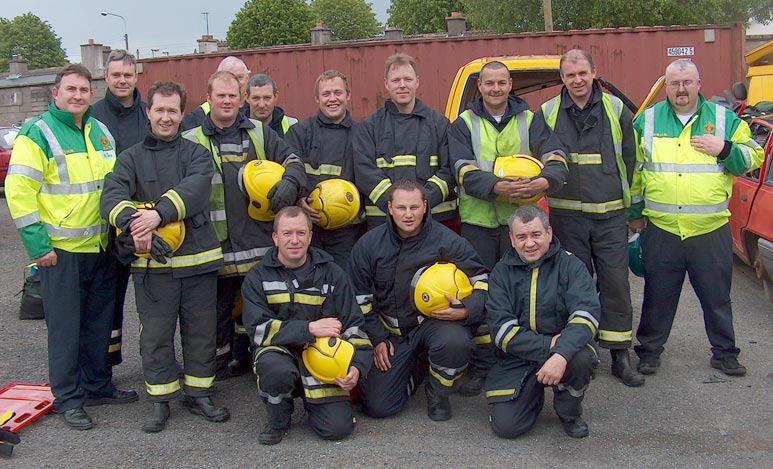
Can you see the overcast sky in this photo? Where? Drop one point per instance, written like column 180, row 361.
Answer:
column 171, row 26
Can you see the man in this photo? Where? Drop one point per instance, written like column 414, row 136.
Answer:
column 686, row 143
column 496, row 124
column 174, row 175
column 382, row 265
column 55, row 206
column 404, row 139
column 124, row 113
column 262, row 95
column 233, row 140
column 294, row 296
column 543, row 311
column 588, row 214
column 241, row 72
column 323, row 142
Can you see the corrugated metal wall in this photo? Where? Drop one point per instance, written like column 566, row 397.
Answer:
column 631, row 58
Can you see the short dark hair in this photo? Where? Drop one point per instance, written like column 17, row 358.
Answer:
column 72, row 69
column 261, row 79
column 399, row 59
column 573, row 56
column 329, row 75
column 222, row 75
column 493, row 65
column 167, row 88
column 527, row 213
column 408, row 185
column 291, row 211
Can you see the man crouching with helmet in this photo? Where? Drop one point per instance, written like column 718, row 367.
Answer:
column 297, row 303
column 543, row 313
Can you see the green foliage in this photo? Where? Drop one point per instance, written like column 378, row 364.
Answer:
column 29, row 36
column 270, row 23
column 348, row 19
column 423, row 16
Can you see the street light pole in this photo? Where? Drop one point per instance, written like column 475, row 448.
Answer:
column 125, row 30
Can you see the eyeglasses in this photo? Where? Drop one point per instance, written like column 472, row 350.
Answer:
column 679, row 84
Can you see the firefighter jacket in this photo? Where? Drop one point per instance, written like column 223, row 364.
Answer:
column 175, row 176
column 602, row 153
column 325, row 148
column 382, row 265
column 244, row 240
column 528, row 304
column 197, row 117
column 280, row 123
column 278, row 308
column 55, row 180
column 684, row 191
column 128, row 125
column 390, row 146
column 475, row 142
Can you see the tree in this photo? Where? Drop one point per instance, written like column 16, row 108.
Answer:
column 34, row 39
column 270, row 23
column 347, row 19
column 422, row 16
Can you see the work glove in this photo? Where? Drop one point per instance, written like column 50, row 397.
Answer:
column 159, row 249
column 284, row 193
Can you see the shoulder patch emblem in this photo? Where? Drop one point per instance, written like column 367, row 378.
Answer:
column 103, row 140
column 709, row 128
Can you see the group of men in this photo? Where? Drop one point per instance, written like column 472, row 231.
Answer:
column 250, row 295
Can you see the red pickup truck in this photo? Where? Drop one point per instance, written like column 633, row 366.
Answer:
column 751, row 206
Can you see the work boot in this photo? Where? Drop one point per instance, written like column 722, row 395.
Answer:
column 206, row 408
column 438, row 407
column 576, row 428
column 156, row 421
column 119, row 396
column 621, row 367
column 648, row 365
column 270, row 435
column 239, row 368
column 78, row 419
column 728, row 366
column 472, row 387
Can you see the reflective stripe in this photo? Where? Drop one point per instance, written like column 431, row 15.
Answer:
column 322, row 393
column 585, row 158
column 233, row 148
column 244, row 255
column 441, row 184
column 119, row 207
column 239, row 328
column 482, row 339
column 480, row 286
column 443, row 380
column 115, row 333
column 523, row 131
column 500, row 392
column 397, row 160
column 324, row 169
column 434, row 160
column 373, row 211
column 503, row 330
column 446, row 370
column 613, row 336
column 22, row 170
column 572, row 391
column 274, row 286
column 719, row 111
column 106, row 132
column 196, row 382
column 635, row 199
column 56, row 151
column 75, row 232
column 112, row 348
column 380, row 189
column 70, row 189
column 533, row 300
column 686, row 209
column 274, row 399
column 446, row 206
column 364, row 298
column 649, row 131
column 217, row 178
column 162, row 389
column 394, row 330
column 683, row 168
column 601, row 207
column 178, row 203
column 189, row 260
column 586, row 315
column 353, row 331
column 27, row 220
column 746, row 152
column 217, row 215
column 392, row 321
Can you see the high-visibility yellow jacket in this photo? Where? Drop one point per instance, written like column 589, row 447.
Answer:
column 55, row 181
column 680, row 189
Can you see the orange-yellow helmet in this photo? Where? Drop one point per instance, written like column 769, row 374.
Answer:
column 430, row 285
column 173, row 233
column 328, row 358
column 515, row 166
column 337, row 201
column 257, row 179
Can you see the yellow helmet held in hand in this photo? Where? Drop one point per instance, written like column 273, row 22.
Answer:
column 337, row 201
column 257, row 179
column 172, row 233
column 518, row 166
column 328, row 358
column 430, row 284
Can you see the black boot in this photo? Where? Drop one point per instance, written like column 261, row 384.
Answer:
column 438, row 406
column 206, row 408
column 156, row 421
column 279, row 416
column 621, row 367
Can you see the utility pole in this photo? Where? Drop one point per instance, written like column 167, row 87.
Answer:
column 206, row 19
column 547, row 10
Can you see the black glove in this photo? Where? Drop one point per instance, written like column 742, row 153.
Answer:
column 284, row 193
column 159, row 249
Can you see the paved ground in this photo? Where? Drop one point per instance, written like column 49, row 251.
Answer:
column 683, row 417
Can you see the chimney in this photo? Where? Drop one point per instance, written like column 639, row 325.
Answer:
column 106, row 50
column 17, row 65
column 207, row 44
column 456, row 24
column 393, row 34
column 320, row 35
column 93, row 58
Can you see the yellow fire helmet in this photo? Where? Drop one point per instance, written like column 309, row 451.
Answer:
column 328, row 358
column 337, row 201
column 430, row 284
column 515, row 166
column 173, row 233
column 257, row 179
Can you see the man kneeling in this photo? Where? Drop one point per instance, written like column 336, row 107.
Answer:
column 294, row 296
column 543, row 311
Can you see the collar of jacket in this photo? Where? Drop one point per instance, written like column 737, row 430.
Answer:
column 511, row 257
column 209, row 128
column 118, row 107
column 426, row 228
column 701, row 103
column 317, row 257
column 153, row 143
column 419, row 109
column 595, row 97
column 66, row 117
column 515, row 106
column 276, row 118
column 326, row 122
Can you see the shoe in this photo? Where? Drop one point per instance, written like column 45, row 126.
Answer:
column 621, row 367
column 472, row 387
column 238, row 368
column 648, row 365
column 78, row 419
column 576, row 428
column 438, row 407
column 156, row 421
column 206, row 408
column 728, row 366
column 119, row 396
column 271, row 435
